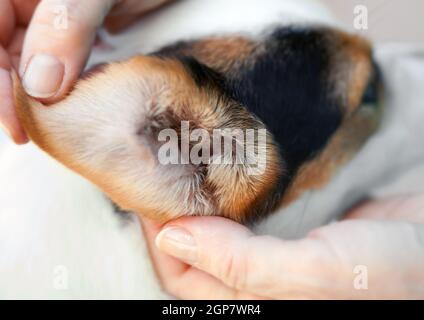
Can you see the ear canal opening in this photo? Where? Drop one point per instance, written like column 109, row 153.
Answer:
column 105, row 131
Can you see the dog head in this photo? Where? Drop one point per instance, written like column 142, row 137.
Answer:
column 230, row 126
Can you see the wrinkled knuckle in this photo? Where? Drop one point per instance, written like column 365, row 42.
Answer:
column 325, row 255
column 234, row 270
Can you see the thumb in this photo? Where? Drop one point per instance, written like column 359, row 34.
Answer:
column 58, row 43
column 260, row 265
column 324, row 264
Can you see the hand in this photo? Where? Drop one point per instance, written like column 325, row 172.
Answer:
column 377, row 251
column 50, row 58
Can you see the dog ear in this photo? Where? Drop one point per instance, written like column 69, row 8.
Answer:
column 108, row 129
column 341, row 105
column 307, row 85
column 302, row 86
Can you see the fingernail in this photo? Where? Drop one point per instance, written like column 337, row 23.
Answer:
column 178, row 243
column 43, row 76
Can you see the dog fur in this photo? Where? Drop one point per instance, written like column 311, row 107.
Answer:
column 60, row 237
column 303, row 84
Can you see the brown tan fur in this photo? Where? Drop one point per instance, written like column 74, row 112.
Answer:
column 224, row 54
column 351, row 55
column 316, row 173
column 231, row 191
column 129, row 173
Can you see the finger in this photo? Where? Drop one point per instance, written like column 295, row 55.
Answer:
column 115, row 24
column 320, row 266
column 242, row 261
column 125, row 7
column 15, row 47
column 24, row 10
column 7, row 22
column 58, row 43
column 387, row 254
column 8, row 118
column 406, row 208
column 174, row 266
column 176, row 275
column 126, row 12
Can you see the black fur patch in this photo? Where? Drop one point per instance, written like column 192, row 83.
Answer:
column 286, row 86
column 287, row 89
column 202, row 75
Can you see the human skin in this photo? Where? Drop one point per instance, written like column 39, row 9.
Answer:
column 215, row 258
column 49, row 58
